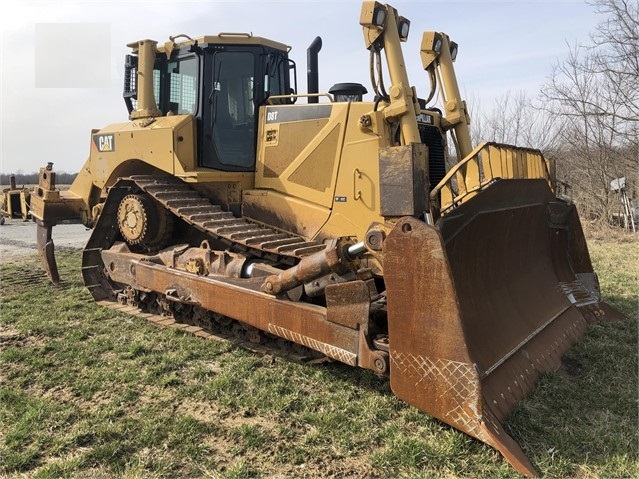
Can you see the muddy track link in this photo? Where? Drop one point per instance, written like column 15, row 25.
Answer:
column 196, row 210
column 233, row 331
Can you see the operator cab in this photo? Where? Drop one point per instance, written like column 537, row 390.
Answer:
column 222, row 81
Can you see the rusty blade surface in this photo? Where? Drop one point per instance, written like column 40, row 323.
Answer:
column 483, row 303
column 525, row 283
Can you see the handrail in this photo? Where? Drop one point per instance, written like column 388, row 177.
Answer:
column 488, row 162
column 235, row 34
column 300, row 95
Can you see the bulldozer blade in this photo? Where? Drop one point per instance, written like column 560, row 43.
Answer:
column 46, row 251
column 497, row 292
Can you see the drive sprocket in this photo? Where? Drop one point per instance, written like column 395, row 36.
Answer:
column 141, row 221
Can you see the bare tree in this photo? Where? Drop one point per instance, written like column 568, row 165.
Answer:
column 514, row 120
column 616, row 55
column 594, row 93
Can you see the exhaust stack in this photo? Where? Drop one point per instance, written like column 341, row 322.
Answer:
column 313, row 69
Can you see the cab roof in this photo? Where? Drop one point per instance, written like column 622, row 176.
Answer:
column 229, row 38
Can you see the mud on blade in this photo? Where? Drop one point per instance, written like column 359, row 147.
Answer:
column 484, row 302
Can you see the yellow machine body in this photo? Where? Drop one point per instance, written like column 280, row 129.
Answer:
column 229, row 201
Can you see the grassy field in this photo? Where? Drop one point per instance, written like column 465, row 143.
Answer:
column 86, row 391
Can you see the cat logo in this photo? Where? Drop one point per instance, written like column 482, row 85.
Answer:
column 104, row 143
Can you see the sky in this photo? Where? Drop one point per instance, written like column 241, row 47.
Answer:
column 504, row 46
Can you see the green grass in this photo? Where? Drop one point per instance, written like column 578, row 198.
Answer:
column 87, row 391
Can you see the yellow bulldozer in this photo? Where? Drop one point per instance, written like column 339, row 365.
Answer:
column 14, row 202
column 231, row 202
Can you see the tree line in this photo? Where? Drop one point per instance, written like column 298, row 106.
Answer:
column 30, row 179
column 586, row 116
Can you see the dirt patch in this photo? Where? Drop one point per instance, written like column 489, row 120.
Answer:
column 570, row 368
column 12, row 338
column 230, row 448
column 201, row 411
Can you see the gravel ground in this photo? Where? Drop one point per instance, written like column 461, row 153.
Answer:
column 18, row 238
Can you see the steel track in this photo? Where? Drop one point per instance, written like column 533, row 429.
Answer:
column 197, row 211
column 257, row 342
column 240, row 234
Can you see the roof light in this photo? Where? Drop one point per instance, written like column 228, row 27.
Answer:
column 453, row 50
column 403, row 27
column 379, row 17
column 430, row 48
column 373, row 14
